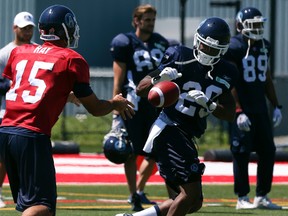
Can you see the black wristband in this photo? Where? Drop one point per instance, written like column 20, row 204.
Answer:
column 279, row 106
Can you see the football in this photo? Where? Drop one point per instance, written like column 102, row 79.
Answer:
column 164, row 94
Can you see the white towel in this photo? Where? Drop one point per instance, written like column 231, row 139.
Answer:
column 156, row 129
column 131, row 91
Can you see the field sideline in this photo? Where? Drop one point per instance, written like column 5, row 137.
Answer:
column 95, row 169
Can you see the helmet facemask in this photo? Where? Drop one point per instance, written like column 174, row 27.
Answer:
column 72, row 41
column 253, row 28
column 213, row 50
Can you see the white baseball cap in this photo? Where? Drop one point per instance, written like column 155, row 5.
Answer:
column 23, row 19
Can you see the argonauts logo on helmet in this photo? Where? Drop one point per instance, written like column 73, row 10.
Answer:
column 69, row 20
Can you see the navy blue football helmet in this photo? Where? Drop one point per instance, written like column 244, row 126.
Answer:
column 214, row 34
column 59, row 22
column 250, row 22
column 116, row 146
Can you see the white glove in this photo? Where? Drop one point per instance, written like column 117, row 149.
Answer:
column 243, row 122
column 117, row 123
column 277, row 117
column 168, row 74
column 200, row 98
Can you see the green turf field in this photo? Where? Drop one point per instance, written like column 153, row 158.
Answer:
column 109, row 200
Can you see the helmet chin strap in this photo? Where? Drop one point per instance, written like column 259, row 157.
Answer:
column 249, row 46
column 248, row 49
column 185, row 62
column 208, row 75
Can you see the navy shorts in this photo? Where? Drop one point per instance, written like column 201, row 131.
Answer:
column 177, row 157
column 30, row 169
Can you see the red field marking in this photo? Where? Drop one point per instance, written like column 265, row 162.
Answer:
column 96, row 169
column 100, row 179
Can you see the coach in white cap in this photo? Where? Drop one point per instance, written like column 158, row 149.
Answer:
column 23, row 19
column 23, row 27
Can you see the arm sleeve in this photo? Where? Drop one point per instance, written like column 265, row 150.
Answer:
column 169, row 58
column 119, row 48
column 80, row 68
column 82, row 90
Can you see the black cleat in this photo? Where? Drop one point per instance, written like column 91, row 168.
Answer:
column 145, row 200
column 136, row 203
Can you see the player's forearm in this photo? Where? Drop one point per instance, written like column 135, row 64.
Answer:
column 95, row 106
column 270, row 90
column 144, row 86
column 225, row 113
column 271, row 94
column 226, row 107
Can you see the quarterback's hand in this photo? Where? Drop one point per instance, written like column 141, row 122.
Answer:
column 277, row 117
column 243, row 122
column 123, row 106
column 200, row 98
column 168, row 74
column 117, row 123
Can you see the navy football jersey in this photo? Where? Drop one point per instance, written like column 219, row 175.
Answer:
column 253, row 68
column 140, row 57
column 190, row 116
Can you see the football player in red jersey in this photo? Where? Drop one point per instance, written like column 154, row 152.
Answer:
column 42, row 78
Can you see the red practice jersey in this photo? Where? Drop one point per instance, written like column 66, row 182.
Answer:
column 42, row 78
